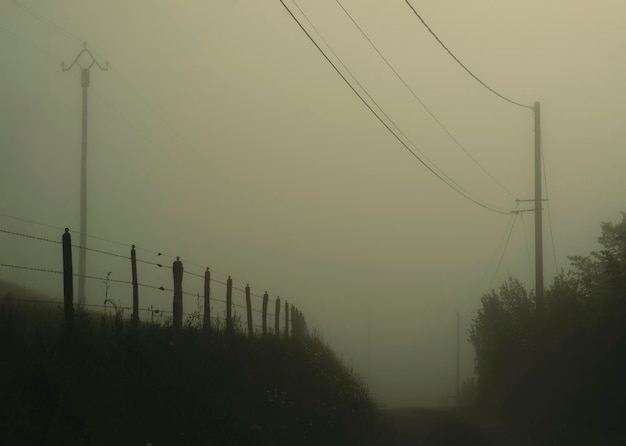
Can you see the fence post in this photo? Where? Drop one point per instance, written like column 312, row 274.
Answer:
column 229, row 304
column 265, row 299
column 286, row 319
column 207, row 307
column 294, row 323
column 277, row 317
column 249, row 309
column 177, row 270
column 68, row 277
column 133, row 261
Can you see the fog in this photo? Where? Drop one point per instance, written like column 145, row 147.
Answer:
column 220, row 134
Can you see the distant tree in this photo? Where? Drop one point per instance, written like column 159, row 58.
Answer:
column 575, row 364
column 501, row 335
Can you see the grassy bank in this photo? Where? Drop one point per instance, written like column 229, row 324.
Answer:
column 106, row 383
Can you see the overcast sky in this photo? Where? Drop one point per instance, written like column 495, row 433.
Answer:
column 222, row 135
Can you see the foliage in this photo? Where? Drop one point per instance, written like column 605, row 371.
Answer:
column 570, row 361
column 111, row 384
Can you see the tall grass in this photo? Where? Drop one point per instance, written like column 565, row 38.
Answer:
column 102, row 382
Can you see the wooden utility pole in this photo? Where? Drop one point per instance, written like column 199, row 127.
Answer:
column 229, row 305
column 68, row 278
column 84, row 80
column 277, row 317
column 133, row 261
column 177, row 306
column 249, row 311
column 207, row 304
column 286, row 319
column 539, row 298
column 265, row 299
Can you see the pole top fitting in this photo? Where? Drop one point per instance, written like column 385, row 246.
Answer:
column 133, row 246
column 67, row 229
column 177, row 258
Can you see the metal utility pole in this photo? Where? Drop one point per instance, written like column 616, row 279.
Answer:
column 539, row 299
column 84, row 75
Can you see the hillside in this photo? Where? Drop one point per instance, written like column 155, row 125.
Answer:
column 106, row 383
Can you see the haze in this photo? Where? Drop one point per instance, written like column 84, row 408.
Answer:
column 220, row 134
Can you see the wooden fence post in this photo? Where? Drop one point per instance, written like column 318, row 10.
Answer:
column 277, row 317
column 249, row 310
column 133, row 261
column 265, row 299
column 177, row 322
column 229, row 304
column 207, row 307
column 286, row 319
column 68, row 277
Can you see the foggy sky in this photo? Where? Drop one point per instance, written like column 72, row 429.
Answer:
column 220, row 134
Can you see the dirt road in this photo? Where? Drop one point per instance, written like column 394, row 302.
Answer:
column 432, row 427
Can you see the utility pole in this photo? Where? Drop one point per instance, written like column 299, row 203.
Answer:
column 539, row 299
column 84, row 76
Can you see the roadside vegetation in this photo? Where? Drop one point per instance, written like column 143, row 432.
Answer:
column 565, row 369
column 103, row 383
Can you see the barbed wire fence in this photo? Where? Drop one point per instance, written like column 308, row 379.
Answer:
column 240, row 311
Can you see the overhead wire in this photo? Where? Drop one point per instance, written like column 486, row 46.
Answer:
column 32, row 45
column 545, row 182
column 530, row 263
column 506, row 236
column 432, row 115
column 391, row 121
column 461, row 63
column 73, row 38
column 387, row 126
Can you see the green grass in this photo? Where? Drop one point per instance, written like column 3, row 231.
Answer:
column 106, row 383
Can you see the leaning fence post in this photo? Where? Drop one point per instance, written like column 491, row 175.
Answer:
column 249, row 310
column 207, row 307
column 133, row 261
column 277, row 317
column 229, row 304
column 68, row 277
column 286, row 319
column 177, row 270
column 265, row 299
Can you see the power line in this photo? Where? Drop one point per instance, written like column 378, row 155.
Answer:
column 59, row 29
column 404, row 144
column 32, row 45
column 530, row 263
column 545, row 182
column 376, row 103
column 461, row 63
column 506, row 244
column 454, row 184
column 432, row 115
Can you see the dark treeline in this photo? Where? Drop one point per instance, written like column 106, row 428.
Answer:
column 568, row 365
